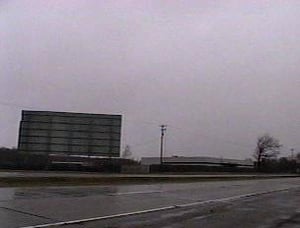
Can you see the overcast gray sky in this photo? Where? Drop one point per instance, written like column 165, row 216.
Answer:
column 218, row 73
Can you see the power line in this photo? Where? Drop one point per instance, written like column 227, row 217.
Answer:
column 218, row 138
column 10, row 104
column 144, row 143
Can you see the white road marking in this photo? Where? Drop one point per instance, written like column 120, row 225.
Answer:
column 232, row 198
column 132, row 193
column 101, row 218
column 226, row 199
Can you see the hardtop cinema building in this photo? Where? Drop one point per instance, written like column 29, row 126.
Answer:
column 70, row 133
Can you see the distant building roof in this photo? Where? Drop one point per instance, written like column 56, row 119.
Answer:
column 196, row 160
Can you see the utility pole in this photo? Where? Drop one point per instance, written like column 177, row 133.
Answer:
column 163, row 128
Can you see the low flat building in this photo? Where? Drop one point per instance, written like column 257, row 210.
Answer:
column 205, row 161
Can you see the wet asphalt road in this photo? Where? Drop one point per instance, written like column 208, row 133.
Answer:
column 274, row 210
column 21, row 207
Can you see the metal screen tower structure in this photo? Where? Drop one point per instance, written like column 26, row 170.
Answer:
column 70, row 133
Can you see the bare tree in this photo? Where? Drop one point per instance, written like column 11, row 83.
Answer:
column 267, row 147
column 127, row 152
column 298, row 156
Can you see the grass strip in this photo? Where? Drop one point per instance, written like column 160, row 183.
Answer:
column 110, row 180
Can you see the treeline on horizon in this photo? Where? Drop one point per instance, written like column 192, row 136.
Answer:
column 11, row 158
